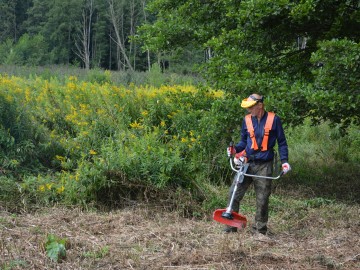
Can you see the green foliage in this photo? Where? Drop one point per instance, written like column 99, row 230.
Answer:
column 8, row 19
column 98, row 254
column 98, row 76
column 155, row 76
column 55, row 248
column 31, row 51
column 270, row 48
column 10, row 190
column 336, row 82
column 13, row 264
column 324, row 160
column 24, row 145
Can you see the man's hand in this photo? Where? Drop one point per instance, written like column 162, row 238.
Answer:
column 286, row 167
column 240, row 158
column 231, row 151
column 239, row 161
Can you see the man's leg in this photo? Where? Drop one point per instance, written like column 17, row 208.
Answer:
column 262, row 190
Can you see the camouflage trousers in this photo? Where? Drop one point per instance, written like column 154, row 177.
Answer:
column 262, row 190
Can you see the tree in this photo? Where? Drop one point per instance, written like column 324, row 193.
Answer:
column 8, row 20
column 85, row 33
column 37, row 16
column 48, row 18
column 143, row 5
column 28, row 50
column 260, row 46
column 116, row 11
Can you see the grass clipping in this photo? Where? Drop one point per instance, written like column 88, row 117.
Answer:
column 152, row 238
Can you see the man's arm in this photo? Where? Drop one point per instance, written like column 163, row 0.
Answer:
column 281, row 140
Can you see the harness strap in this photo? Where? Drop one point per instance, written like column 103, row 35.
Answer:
column 268, row 125
column 251, row 130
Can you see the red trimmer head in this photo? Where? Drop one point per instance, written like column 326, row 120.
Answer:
column 232, row 219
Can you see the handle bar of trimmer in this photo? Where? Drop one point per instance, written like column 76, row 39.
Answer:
column 258, row 176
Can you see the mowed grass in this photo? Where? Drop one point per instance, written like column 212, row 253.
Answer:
column 152, row 237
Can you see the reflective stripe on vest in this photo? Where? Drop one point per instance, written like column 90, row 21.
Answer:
column 268, row 125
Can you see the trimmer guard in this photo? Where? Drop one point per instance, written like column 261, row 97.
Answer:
column 238, row 220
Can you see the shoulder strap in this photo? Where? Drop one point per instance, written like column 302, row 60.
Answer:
column 251, row 131
column 268, row 125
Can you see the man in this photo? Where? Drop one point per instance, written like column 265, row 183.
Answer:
column 258, row 142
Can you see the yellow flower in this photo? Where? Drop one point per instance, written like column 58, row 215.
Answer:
column 162, row 123
column 27, row 94
column 48, row 186
column 218, row 94
column 60, row 158
column 84, row 133
column 92, row 152
column 41, row 188
column 71, row 86
column 60, row 189
column 144, row 113
column 73, row 78
column 136, row 125
column 184, row 140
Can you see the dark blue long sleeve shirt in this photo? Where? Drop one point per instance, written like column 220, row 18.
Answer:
column 276, row 134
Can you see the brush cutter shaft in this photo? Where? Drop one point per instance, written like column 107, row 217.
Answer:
column 239, row 179
column 265, row 177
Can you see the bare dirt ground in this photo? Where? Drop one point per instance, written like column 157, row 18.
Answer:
column 145, row 238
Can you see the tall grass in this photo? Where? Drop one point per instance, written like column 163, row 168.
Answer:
column 325, row 162
column 155, row 77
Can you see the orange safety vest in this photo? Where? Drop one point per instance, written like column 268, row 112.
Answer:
column 268, row 125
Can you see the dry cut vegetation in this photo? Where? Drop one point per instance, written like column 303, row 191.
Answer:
column 145, row 237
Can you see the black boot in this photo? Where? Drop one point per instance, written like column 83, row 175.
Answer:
column 262, row 230
column 229, row 229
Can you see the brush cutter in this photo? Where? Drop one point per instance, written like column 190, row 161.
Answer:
column 227, row 216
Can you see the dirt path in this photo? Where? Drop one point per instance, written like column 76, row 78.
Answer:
column 152, row 239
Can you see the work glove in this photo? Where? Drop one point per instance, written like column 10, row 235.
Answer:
column 231, row 151
column 286, row 167
column 240, row 158
column 239, row 161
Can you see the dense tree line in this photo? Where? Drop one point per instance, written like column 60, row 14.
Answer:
column 303, row 55
column 87, row 33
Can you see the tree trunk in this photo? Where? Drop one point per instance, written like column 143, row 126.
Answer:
column 147, row 50
column 84, row 37
column 118, row 37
